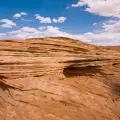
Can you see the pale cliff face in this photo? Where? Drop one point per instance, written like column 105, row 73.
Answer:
column 58, row 79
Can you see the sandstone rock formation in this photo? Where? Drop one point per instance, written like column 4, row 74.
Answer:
column 58, row 79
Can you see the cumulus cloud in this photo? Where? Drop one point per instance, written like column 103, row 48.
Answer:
column 110, row 32
column 42, row 28
column 50, row 20
column 109, row 8
column 108, row 35
column 22, row 33
column 7, row 23
column 78, row 4
column 111, row 26
column 25, row 29
column 19, row 15
column 28, row 32
column 53, row 31
column 103, row 38
column 59, row 20
column 43, row 19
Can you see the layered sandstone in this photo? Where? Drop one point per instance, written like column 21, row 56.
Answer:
column 58, row 79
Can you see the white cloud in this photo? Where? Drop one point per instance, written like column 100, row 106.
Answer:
column 6, row 26
column 78, row 4
column 49, row 20
column 19, row 15
column 94, row 24
column 42, row 28
column 54, row 32
column 103, row 38
column 24, row 13
column 110, row 32
column 108, row 35
column 28, row 32
column 109, row 8
column 111, row 26
column 59, row 20
column 26, row 20
column 43, row 19
column 7, row 23
column 22, row 33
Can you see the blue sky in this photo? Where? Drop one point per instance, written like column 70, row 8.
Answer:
column 93, row 22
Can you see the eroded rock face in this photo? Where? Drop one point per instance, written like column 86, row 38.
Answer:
column 58, row 79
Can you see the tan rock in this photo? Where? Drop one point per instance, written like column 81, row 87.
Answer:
column 58, row 79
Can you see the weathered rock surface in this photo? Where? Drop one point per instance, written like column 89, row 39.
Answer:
column 58, row 79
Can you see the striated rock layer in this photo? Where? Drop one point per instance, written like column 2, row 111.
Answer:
column 58, row 79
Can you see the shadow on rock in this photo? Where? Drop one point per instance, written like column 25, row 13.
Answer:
column 72, row 71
